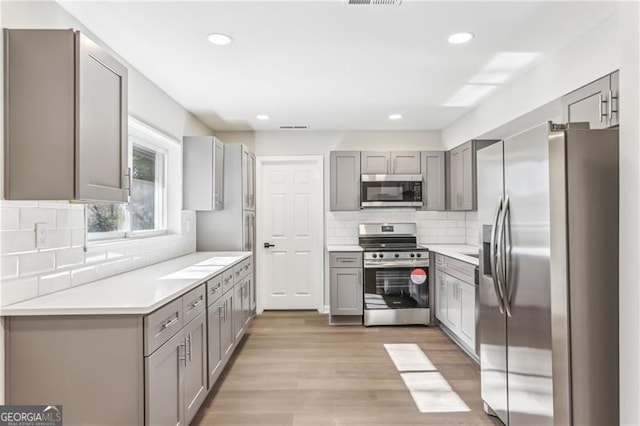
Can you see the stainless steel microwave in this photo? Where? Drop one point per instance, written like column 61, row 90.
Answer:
column 391, row 191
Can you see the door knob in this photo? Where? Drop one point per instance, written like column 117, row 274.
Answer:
column 268, row 245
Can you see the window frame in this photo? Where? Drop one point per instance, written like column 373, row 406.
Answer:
column 151, row 139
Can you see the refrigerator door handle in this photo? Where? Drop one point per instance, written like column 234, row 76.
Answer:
column 502, row 257
column 493, row 256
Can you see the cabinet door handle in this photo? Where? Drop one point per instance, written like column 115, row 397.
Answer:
column 129, row 181
column 611, row 111
column 602, row 101
column 190, row 347
column 182, row 352
column 196, row 304
column 221, row 312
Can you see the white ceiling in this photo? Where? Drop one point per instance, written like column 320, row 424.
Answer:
column 327, row 65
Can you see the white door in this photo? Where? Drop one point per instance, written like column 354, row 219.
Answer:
column 290, row 217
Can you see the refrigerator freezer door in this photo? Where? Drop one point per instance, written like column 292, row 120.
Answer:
column 493, row 331
column 526, row 255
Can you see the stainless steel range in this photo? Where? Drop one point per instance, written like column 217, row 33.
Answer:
column 396, row 274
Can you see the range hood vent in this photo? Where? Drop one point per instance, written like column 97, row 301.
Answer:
column 372, row 2
column 291, row 127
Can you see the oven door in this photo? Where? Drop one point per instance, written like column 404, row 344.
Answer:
column 391, row 191
column 402, row 287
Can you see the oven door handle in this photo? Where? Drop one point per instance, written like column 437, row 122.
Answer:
column 381, row 265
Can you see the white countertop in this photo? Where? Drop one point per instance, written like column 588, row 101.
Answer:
column 138, row 292
column 343, row 247
column 458, row 251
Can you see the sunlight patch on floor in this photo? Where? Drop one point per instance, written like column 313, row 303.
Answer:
column 429, row 389
column 409, row 357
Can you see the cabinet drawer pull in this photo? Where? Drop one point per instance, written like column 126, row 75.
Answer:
column 169, row 323
column 195, row 304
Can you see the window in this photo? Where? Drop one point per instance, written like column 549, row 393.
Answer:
column 146, row 212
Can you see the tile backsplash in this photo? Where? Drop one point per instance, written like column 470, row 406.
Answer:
column 27, row 271
column 433, row 227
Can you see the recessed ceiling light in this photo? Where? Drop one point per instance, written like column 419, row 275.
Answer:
column 262, row 117
column 395, row 117
column 459, row 38
column 219, row 39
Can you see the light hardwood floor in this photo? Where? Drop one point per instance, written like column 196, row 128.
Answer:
column 294, row 369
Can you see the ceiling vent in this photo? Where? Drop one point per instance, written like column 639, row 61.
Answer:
column 373, row 2
column 287, row 127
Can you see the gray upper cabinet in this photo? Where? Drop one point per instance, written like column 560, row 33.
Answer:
column 203, row 173
column 405, row 162
column 461, row 171
column 375, row 162
column 65, row 119
column 595, row 103
column 395, row 162
column 433, row 177
column 344, row 183
column 248, row 180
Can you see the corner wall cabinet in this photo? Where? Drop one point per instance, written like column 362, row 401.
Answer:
column 461, row 175
column 203, row 173
column 157, row 369
column 596, row 103
column 346, row 291
column 65, row 118
column 433, row 178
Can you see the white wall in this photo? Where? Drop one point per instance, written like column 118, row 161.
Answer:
column 629, row 215
column 588, row 58
column 341, row 227
column 614, row 44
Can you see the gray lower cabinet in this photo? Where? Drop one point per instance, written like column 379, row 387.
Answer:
column 164, row 403
column 456, row 300
column 215, row 317
column 238, row 313
column 164, row 365
column 66, row 118
column 433, row 178
column 176, row 376
column 344, row 181
column 346, row 287
column 596, row 103
column 227, row 337
column 195, row 370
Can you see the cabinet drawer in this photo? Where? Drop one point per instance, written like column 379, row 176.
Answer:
column 345, row 260
column 227, row 280
column 161, row 324
column 193, row 303
column 460, row 270
column 214, row 289
column 242, row 269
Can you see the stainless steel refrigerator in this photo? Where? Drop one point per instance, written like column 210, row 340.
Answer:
column 548, row 215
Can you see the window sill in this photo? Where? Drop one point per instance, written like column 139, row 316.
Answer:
column 134, row 237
